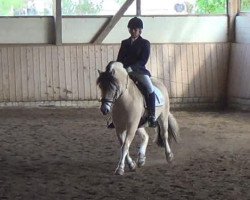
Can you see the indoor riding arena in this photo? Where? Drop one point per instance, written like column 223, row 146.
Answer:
column 54, row 140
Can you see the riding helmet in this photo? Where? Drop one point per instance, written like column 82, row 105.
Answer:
column 135, row 23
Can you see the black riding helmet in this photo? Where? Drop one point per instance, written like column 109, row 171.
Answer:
column 135, row 23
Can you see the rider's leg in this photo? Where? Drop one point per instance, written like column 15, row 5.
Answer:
column 150, row 97
column 151, row 110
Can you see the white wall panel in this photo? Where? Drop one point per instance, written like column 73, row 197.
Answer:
column 80, row 30
column 26, row 30
column 242, row 29
column 164, row 29
column 187, row 29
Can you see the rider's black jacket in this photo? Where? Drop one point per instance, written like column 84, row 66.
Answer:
column 135, row 55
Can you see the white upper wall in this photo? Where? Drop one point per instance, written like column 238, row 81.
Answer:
column 80, row 30
column 242, row 29
column 26, row 30
column 175, row 29
column 160, row 29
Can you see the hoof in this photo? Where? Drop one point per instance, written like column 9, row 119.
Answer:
column 132, row 166
column 170, row 157
column 141, row 161
column 119, row 171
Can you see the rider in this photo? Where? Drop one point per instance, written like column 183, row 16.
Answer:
column 133, row 54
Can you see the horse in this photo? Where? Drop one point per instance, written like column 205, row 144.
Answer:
column 121, row 97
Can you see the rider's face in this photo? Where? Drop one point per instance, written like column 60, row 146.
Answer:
column 135, row 32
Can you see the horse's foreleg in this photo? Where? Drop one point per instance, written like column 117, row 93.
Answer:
column 125, row 152
column 129, row 160
column 142, row 151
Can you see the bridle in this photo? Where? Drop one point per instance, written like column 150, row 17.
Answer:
column 111, row 101
column 116, row 95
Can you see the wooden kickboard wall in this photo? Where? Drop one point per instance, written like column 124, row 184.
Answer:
column 193, row 73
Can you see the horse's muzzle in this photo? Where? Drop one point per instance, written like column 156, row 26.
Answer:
column 105, row 108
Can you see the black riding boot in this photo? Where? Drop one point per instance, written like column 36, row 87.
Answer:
column 151, row 110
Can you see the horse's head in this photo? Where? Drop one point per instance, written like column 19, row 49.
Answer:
column 110, row 84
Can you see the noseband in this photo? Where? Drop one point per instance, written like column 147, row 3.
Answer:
column 112, row 101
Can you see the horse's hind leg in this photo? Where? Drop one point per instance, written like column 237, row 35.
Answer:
column 164, row 134
column 142, row 151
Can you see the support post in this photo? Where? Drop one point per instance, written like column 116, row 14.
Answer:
column 138, row 7
column 57, row 13
column 233, row 8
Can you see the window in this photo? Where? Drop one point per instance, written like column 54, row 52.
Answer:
column 110, row 7
column 245, row 6
column 148, row 7
column 25, row 7
column 163, row 7
column 211, row 7
column 183, row 7
column 95, row 7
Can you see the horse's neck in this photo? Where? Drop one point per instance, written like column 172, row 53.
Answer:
column 129, row 103
column 136, row 89
column 131, row 91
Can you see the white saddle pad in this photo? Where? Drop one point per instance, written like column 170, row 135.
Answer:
column 159, row 99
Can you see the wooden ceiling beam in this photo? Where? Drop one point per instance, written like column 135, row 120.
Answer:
column 105, row 30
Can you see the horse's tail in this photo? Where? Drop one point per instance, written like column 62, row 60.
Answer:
column 173, row 132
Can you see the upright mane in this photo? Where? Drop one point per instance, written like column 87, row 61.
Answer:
column 116, row 68
column 107, row 80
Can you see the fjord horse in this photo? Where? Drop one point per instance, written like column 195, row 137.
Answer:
column 121, row 96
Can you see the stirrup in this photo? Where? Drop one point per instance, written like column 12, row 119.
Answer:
column 152, row 121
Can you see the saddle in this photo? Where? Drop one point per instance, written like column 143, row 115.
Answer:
column 159, row 98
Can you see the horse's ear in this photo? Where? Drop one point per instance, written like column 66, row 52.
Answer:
column 99, row 71
column 112, row 72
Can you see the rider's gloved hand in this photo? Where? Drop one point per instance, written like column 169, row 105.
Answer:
column 129, row 70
